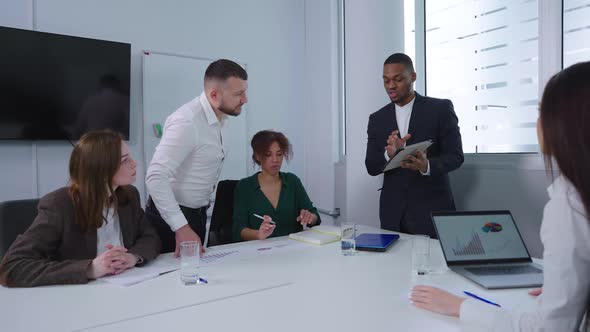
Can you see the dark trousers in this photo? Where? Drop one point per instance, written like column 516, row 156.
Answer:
column 197, row 220
column 412, row 224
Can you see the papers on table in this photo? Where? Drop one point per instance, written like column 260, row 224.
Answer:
column 164, row 263
column 167, row 262
column 216, row 256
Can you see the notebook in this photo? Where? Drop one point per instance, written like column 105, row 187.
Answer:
column 486, row 248
column 375, row 242
column 318, row 235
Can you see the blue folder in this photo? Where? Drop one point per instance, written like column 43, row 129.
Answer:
column 375, row 242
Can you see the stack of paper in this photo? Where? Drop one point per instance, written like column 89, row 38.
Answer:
column 318, row 235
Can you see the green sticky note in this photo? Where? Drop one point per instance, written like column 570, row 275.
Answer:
column 157, row 130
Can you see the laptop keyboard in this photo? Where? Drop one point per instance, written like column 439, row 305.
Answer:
column 503, row 270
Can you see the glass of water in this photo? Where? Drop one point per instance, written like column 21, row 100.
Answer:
column 347, row 239
column 189, row 262
column 420, row 254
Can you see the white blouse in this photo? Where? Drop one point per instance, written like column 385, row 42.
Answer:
column 109, row 232
column 565, row 233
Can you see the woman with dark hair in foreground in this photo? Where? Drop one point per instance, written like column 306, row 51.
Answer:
column 563, row 129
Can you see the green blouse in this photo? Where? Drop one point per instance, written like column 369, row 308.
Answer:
column 249, row 200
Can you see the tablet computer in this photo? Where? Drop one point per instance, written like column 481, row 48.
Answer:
column 404, row 152
column 375, row 242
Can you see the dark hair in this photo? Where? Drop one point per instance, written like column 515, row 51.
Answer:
column 400, row 58
column 565, row 124
column 262, row 141
column 223, row 69
column 95, row 160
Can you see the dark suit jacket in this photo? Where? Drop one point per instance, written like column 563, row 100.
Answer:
column 404, row 189
column 55, row 250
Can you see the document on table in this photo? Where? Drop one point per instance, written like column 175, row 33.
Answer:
column 167, row 262
column 163, row 264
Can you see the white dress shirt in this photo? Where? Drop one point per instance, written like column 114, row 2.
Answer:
column 565, row 233
column 403, row 114
column 109, row 232
column 187, row 162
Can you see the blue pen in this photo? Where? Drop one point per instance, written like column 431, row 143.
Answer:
column 203, row 281
column 481, row 299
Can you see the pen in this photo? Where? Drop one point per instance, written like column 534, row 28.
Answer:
column 203, row 281
column 261, row 217
column 481, row 298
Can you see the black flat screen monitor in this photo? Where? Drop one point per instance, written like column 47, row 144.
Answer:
column 57, row 87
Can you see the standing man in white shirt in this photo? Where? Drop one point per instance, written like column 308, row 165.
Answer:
column 187, row 162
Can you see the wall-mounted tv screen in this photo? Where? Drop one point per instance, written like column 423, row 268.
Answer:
column 57, row 87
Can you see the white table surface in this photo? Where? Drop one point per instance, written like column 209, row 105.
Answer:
column 309, row 288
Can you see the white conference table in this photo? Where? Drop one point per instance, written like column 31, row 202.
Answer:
column 301, row 287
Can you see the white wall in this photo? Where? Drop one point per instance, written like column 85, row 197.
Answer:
column 268, row 35
column 374, row 30
column 321, row 83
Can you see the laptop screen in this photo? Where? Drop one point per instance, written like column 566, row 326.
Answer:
column 475, row 236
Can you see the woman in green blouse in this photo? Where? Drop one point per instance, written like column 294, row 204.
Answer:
column 276, row 196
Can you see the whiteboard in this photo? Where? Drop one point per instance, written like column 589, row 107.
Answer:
column 170, row 81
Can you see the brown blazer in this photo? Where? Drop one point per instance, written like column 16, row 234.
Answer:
column 55, row 250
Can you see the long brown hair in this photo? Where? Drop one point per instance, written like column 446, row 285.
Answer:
column 93, row 164
column 565, row 124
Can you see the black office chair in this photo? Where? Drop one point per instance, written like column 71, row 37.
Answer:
column 15, row 218
column 220, row 230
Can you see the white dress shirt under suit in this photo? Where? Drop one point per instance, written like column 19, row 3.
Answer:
column 565, row 233
column 402, row 117
column 187, row 162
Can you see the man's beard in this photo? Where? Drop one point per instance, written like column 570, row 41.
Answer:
column 229, row 111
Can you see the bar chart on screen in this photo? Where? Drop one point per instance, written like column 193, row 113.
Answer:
column 473, row 247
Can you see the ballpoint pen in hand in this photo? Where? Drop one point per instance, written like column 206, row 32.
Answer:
column 261, row 217
column 481, row 298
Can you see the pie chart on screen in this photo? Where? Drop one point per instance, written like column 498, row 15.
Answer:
column 491, row 227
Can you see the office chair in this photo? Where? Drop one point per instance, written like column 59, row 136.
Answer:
column 15, row 218
column 220, row 230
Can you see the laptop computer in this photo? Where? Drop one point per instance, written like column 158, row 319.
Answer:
column 375, row 242
column 486, row 247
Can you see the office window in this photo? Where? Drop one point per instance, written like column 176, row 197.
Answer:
column 410, row 29
column 484, row 56
column 576, row 31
